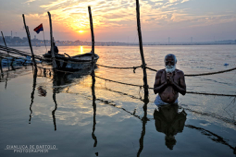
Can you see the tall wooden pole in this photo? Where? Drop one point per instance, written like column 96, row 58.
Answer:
column 54, row 64
column 92, row 34
column 93, row 78
column 29, row 40
column 3, row 38
column 141, row 50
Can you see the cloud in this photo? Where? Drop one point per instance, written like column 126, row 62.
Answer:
column 29, row 1
column 120, row 15
column 184, row 1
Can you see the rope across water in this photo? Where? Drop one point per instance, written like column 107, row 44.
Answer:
column 3, row 48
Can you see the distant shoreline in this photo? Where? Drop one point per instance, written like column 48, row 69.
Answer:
column 13, row 45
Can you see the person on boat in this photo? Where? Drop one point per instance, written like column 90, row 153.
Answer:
column 169, row 82
column 55, row 49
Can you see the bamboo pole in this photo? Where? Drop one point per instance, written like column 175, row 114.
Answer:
column 3, row 38
column 29, row 40
column 141, row 50
column 52, row 47
column 92, row 33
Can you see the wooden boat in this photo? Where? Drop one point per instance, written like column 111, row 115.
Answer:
column 17, row 61
column 74, row 63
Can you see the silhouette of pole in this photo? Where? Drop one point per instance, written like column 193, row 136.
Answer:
column 3, row 38
column 141, row 50
column 29, row 40
column 92, row 33
column 54, row 64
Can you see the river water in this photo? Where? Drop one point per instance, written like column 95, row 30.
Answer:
column 65, row 117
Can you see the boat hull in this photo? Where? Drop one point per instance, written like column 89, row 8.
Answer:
column 75, row 63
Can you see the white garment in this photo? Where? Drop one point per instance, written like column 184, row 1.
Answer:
column 159, row 102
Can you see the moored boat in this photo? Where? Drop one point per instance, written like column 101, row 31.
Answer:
column 73, row 63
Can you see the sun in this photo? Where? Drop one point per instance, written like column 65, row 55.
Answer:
column 80, row 31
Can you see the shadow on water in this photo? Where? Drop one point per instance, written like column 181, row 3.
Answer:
column 170, row 122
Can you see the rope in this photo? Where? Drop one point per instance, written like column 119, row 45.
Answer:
column 119, row 67
column 118, row 82
column 229, row 95
column 134, row 67
column 63, row 70
column 212, row 94
column 71, row 60
column 218, row 72
column 203, row 74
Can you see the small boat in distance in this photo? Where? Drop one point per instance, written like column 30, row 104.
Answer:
column 73, row 63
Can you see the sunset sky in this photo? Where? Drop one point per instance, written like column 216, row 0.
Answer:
column 115, row 20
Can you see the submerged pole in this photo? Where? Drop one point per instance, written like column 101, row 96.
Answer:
column 54, row 64
column 92, row 34
column 141, row 50
column 1, row 67
column 29, row 40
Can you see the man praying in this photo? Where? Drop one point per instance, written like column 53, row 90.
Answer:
column 169, row 82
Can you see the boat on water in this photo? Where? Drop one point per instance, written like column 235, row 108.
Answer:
column 17, row 61
column 73, row 63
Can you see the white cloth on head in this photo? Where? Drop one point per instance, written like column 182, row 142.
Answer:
column 159, row 102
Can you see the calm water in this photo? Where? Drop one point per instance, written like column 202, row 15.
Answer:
column 117, row 123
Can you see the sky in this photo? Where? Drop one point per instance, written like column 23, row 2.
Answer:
column 115, row 20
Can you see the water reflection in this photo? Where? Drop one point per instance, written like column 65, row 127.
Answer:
column 214, row 137
column 62, row 80
column 53, row 112
column 94, row 109
column 32, row 94
column 170, row 122
column 144, row 122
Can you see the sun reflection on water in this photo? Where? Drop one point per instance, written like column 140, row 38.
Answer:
column 81, row 49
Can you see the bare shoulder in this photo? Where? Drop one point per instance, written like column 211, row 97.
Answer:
column 179, row 72
column 159, row 72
